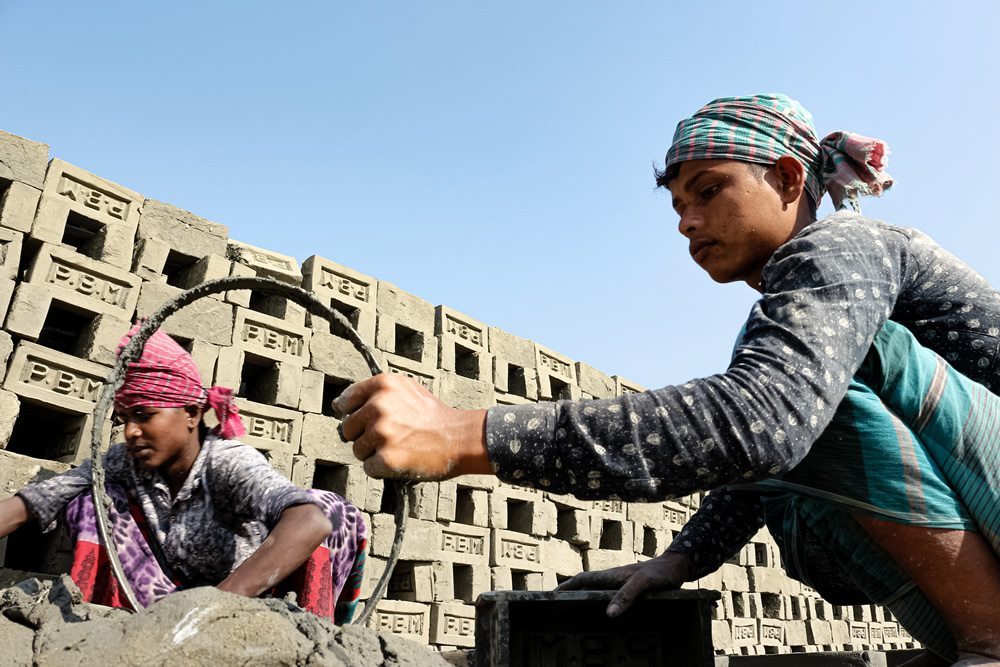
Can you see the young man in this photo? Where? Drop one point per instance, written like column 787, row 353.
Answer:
column 746, row 175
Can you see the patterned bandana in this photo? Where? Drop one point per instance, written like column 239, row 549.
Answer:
column 166, row 377
column 761, row 128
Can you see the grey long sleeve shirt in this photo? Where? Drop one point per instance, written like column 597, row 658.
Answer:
column 826, row 293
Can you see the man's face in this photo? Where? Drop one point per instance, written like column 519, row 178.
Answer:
column 733, row 220
column 155, row 436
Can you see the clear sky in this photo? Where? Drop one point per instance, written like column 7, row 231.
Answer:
column 497, row 157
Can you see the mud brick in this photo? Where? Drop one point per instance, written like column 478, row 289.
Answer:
column 242, row 297
column 525, row 512
column 423, row 500
column 594, row 382
column 603, row 559
column 83, row 283
column 840, row 630
column 443, row 581
column 405, row 325
column 556, row 375
column 561, row 558
column 624, row 387
column 95, row 215
column 646, row 514
column 210, row 321
column 453, row 624
column 17, row 206
column 484, row 482
column 188, row 236
column 819, row 632
column 734, row 578
column 517, row 551
column 98, row 341
column 63, row 384
column 876, row 635
column 771, row 632
column 722, row 637
column 303, row 471
column 610, row 533
column 795, row 633
column 56, row 379
column 744, row 631
column 468, row 545
column 271, row 338
column 890, row 634
column 205, row 356
column 373, row 499
column 348, row 481
column 337, row 358
column 10, row 253
column 470, row 581
column 321, row 440
column 547, row 628
column 675, row 515
column 463, row 345
column 510, row 399
column 259, row 379
column 10, row 406
column 501, row 577
column 382, row 533
column 353, row 294
column 513, row 365
column 270, row 428
column 149, row 259
column 266, row 263
column 280, row 461
column 17, row 471
column 374, row 567
column 311, row 392
column 471, row 507
column 447, row 501
column 409, row 620
column 566, row 501
column 768, row 580
column 464, row 393
column 711, row 581
column 22, row 160
column 864, row 613
column 573, row 526
column 427, row 376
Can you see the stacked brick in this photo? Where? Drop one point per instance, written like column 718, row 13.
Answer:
column 82, row 257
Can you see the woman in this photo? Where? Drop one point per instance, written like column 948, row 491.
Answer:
column 193, row 507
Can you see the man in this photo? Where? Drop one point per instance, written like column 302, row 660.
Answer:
column 746, row 175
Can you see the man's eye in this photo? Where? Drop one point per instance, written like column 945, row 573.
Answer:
column 708, row 192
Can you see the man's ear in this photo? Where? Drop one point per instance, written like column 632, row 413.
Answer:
column 193, row 413
column 791, row 178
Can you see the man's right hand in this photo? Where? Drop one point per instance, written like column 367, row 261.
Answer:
column 400, row 429
column 665, row 572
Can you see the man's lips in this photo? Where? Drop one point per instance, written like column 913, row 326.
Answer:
column 697, row 247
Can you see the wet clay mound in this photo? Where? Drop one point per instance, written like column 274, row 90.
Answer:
column 46, row 623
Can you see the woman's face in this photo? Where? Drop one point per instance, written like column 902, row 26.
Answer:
column 155, row 437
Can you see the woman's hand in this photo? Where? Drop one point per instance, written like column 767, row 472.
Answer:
column 300, row 530
column 665, row 572
column 400, row 429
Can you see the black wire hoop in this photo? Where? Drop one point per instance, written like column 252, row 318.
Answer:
column 133, row 351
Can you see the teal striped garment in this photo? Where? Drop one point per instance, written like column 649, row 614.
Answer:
column 915, row 442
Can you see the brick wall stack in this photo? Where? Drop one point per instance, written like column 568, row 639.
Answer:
column 82, row 257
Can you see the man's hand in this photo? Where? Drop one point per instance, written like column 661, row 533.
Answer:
column 400, row 429
column 665, row 572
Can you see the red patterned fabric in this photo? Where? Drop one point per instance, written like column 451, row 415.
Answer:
column 166, row 377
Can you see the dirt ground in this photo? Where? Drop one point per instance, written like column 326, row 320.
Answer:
column 46, row 623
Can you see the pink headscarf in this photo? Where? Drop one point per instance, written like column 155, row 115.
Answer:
column 166, row 377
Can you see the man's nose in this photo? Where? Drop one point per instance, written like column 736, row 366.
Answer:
column 132, row 429
column 689, row 223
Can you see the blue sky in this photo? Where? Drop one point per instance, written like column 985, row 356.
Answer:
column 497, row 158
